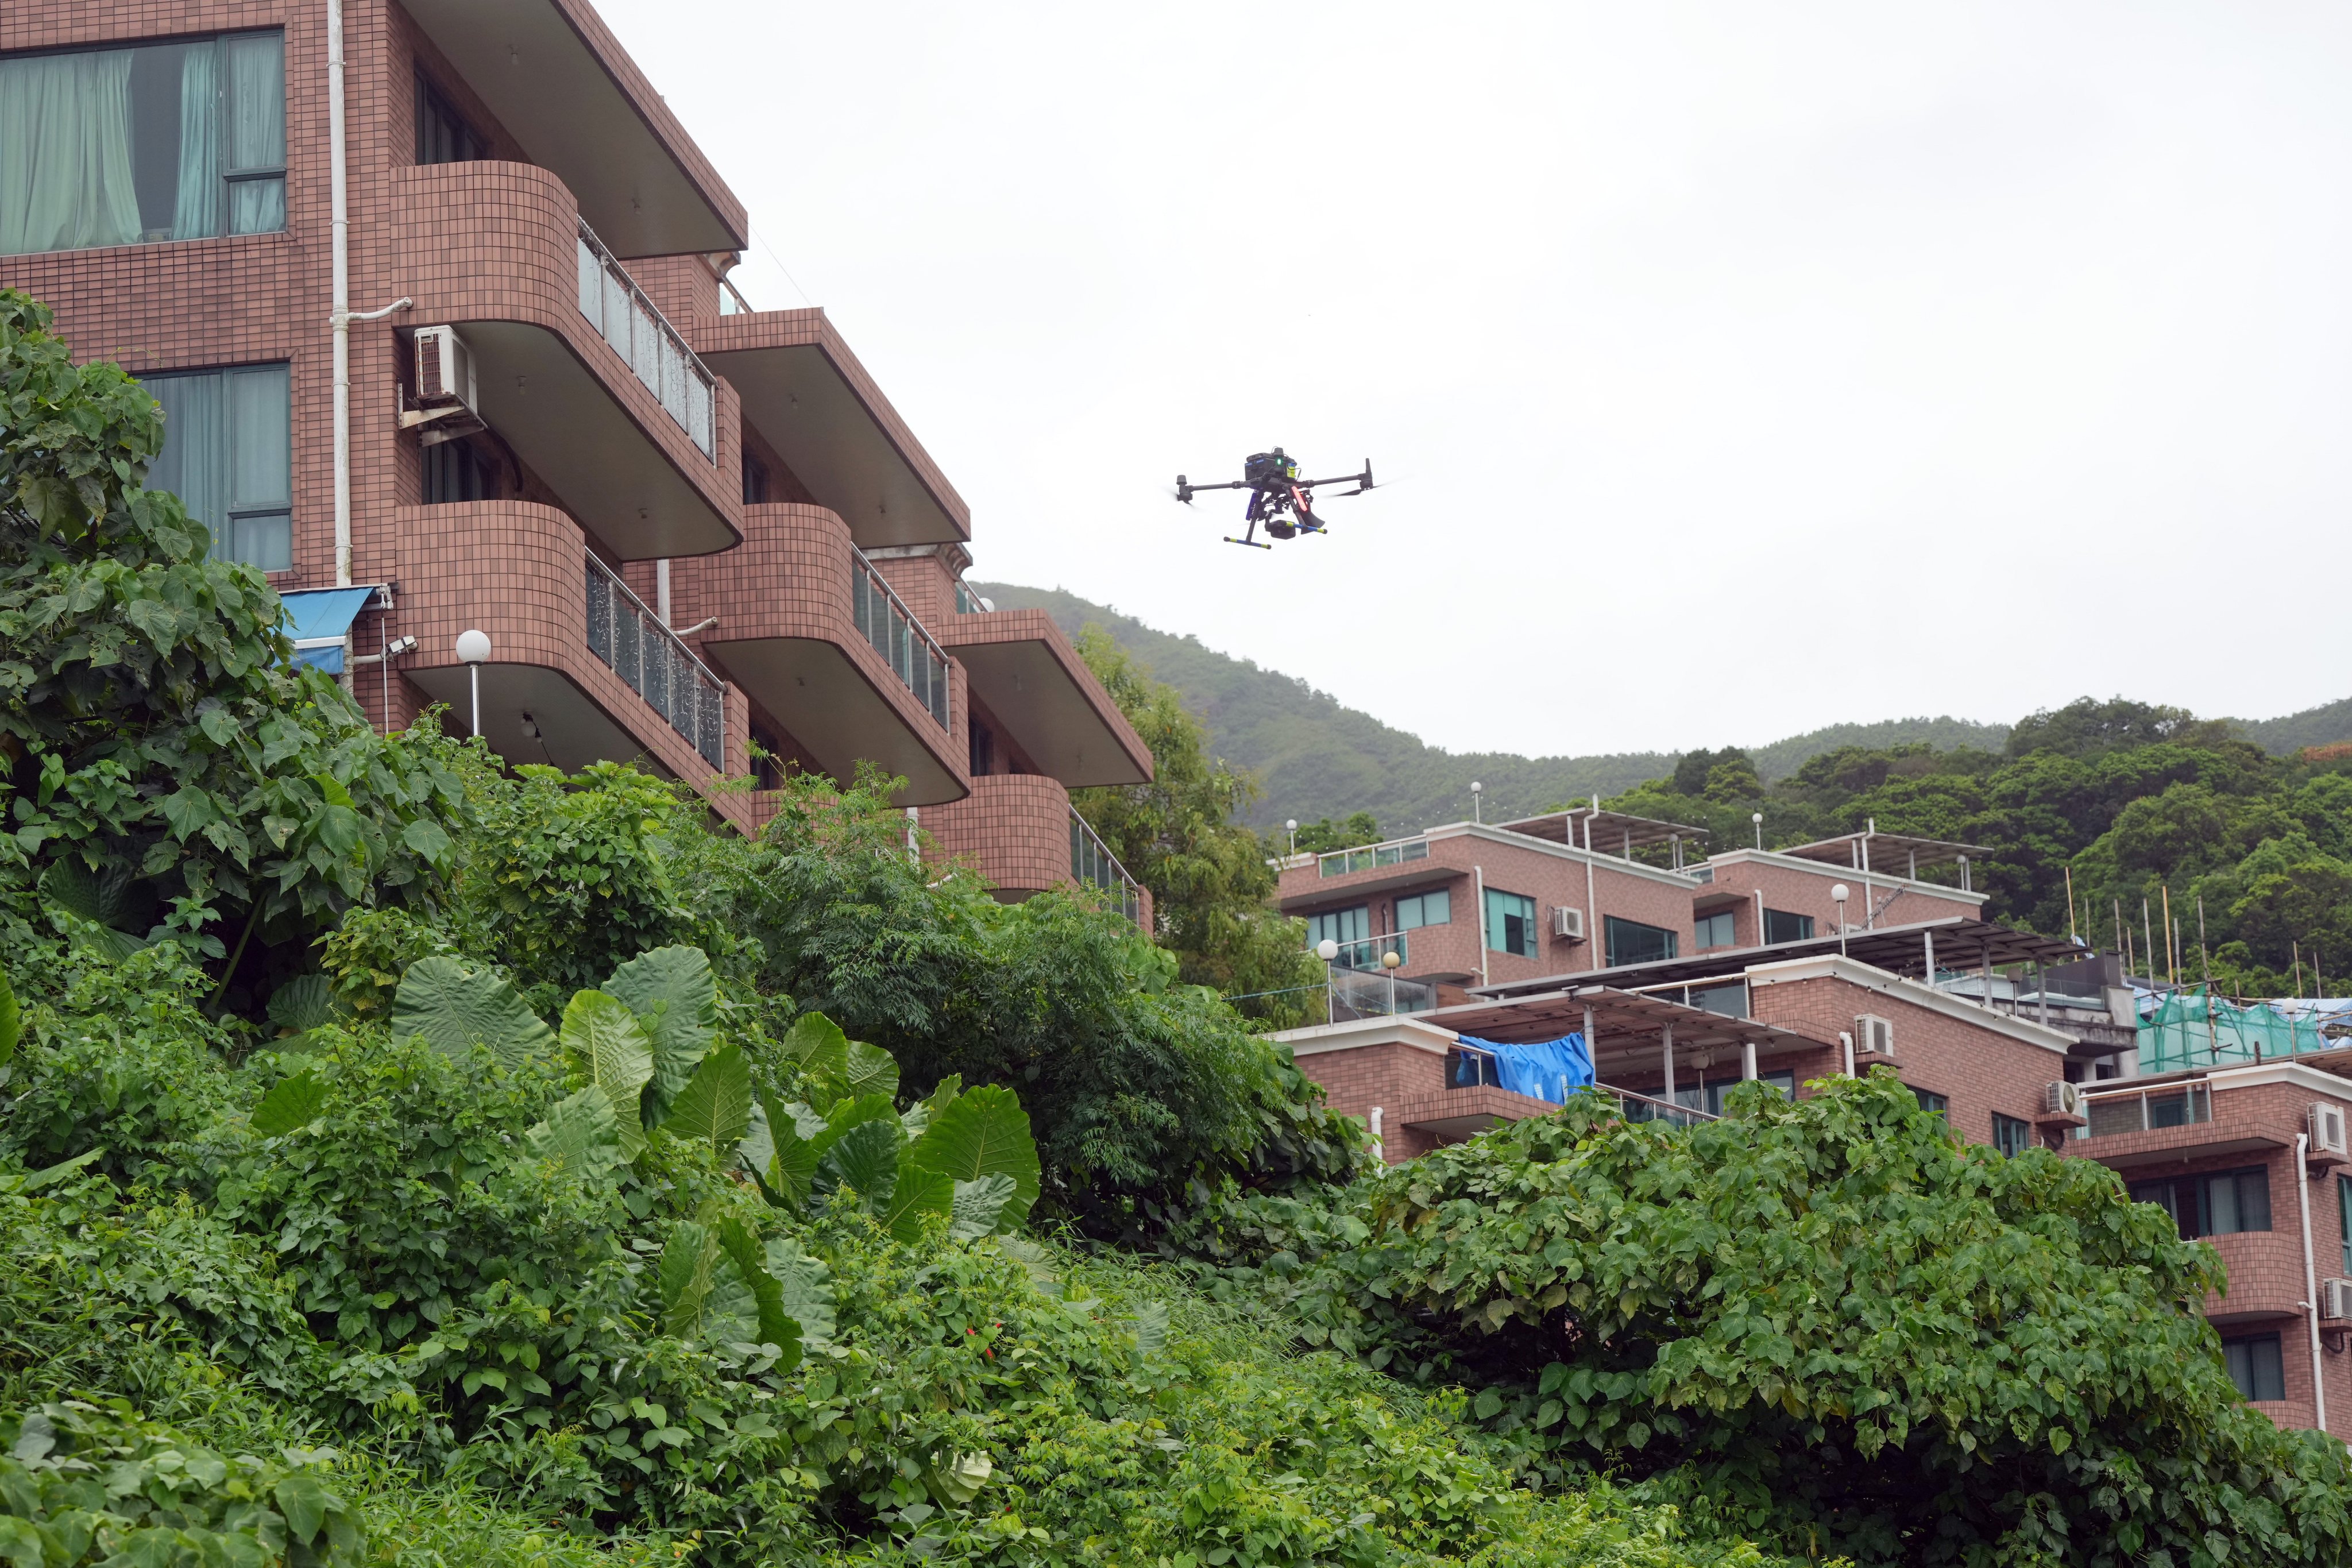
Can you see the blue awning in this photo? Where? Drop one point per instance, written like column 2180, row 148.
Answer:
column 322, row 618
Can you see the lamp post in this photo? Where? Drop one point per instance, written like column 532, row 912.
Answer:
column 473, row 647
column 1389, row 961
column 1291, row 828
column 1476, row 789
column 1839, row 893
column 1758, row 819
column 1327, row 950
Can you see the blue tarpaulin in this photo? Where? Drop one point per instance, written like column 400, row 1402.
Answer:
column 322, row 618
column 1547, row 1070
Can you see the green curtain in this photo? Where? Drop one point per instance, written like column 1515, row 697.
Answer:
column 65, row 152
column 196, row 449
column 260, row 430
column 257, row 130
column 197, row 212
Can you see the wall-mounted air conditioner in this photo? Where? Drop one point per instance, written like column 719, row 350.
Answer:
column 1566, row 924
column 2336, row 1298
column 2326, row 1128
column 1872, row 1035
column 448, row 405
column 2062, row 1098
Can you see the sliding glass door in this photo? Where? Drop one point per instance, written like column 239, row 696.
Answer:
column 227, row 455
column 126, row 146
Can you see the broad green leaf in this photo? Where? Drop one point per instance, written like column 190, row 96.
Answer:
column 780, row 1158
column 865, row 1157
column 730, row 1312
column 112, row 901
column 983, row 1134
column 305, row 1003
column 979, row 1205
column 914, row 1193
column 580, row 1135
column 188, row 809
column 1151, row 1329
column 304, row 1502
column 916, row 1118
column 11, row 1021
column 706, row 1294
column 805, row 1289
column 775, row 1325
column 676, row 998
column 47, row 1175
column 817, row 1047
column 715, row 1109
column 457, row 1007
column 959, row 1478
column 685, row 1275
column 603, row 1039
column 869, row 1070
column 294, row 1102
column 20, row 1543
column 757, row 1148
column 424, row 836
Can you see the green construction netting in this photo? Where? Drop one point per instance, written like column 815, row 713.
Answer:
column 2198, row 1031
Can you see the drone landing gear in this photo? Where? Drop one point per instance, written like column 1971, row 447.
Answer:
column 1252, row 544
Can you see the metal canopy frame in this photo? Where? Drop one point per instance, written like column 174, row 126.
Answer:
column 1885, row 854
column 1610, row 832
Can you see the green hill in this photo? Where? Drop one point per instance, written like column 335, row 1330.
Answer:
column 1318, row 758
column 2320, row 726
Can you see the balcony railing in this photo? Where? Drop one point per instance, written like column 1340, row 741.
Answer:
column 611, row 298
column 1354, row 994
column 1092, row 865
column 2112, row 1110
column 1340, row 862
column 1642, row 1107
column 883, row 620
column 1364, row 953
column 660, row 669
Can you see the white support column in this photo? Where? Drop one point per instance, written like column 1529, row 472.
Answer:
column 1380, row 1144
column 1747, row 1060
column 1667, row 1039
column 1478, row 891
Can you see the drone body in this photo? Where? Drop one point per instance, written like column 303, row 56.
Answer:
column 1279, row 499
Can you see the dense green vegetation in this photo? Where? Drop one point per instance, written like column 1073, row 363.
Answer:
column 2134, row 804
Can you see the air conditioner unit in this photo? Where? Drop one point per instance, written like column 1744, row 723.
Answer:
column 2335, row 1298
column 2328, row 1128
column 1873, row 1035
column 445, row 397
column 2062, row 1098
column 1567, row 922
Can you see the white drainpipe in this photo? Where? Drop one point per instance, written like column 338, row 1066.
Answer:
column 2310, row 1283
column 340, row 317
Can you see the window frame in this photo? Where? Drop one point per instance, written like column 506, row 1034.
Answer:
column 1804, row 922
column 2199, row 1199
column 2247, row 1344
column 1317, row 933
column 1421, row 904
column 231, row 514
column 1498, row 923
column 2008, row 1129
column 1943, row 1106
column 1612, row 924
column 1702, row 926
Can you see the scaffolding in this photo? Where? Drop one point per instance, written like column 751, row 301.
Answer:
column 2190, row 1030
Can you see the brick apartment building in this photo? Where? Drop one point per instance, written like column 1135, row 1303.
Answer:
column 688, row 529
column 2018, row 1040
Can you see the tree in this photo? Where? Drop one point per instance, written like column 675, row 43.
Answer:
column 1323, row 835
column 1834, row 1323
column 1179, row 836
column 158, row 742
column 2089, row 727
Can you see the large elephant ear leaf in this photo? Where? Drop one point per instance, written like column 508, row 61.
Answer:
column 805, row 1288
column 303, row 1004
column 984, row 1132
column 581, row 1135
column 978, row 1207
column 11, row 1023
column 294, row 1102
column 775, row 1325
column 817, row 1046
column 603, row 1039
column 865, row 1157
column 110, row 902
column 781, row 1160
column 456, row 1007
column 916, row 1193
column 676, row 998
column 716, row 1108
column 868, row 1070
column 687, row 1261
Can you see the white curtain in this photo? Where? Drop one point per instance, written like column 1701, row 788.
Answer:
column 196, row 213
column 260, row 432
column 257, row 130
column 65, row 152
column 196, row 449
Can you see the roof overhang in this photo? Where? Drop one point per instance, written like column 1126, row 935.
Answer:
column 1959, row 943
column 810, row 399
column 560, row 83
column 813, row 689
column 562, row 419
column 1047, row 701
column 573, row 732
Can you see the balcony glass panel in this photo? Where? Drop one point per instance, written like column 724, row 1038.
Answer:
column 892, row 631
column 1093, row 865
column 644, row 653
column 1340, row 862
column 658, row 356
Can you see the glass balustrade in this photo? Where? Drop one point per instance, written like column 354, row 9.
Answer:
column 642, row 336
column 886, row 623
column 1092, row 865
column 657, row 667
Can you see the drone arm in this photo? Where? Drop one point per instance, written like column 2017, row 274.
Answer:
column 1233, row 485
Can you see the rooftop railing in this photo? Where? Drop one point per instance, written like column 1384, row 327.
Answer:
column 1340, row 862
column 1355, row 994
column 1642, row 1107
column 1092, row 865
column 884, row 621
column 2108, row 1111
column 1364, row 953
column 611, row 298
column 657, row 667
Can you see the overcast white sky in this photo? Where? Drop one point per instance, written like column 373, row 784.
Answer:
column 1740, row 369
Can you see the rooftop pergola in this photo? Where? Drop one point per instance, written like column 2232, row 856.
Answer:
column 1629, row 1033
column 1604, row 832
column 1886, row 854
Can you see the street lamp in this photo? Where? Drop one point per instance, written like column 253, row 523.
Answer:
column 1839, row 893
column 1327, row 950
column 1476, row 789
column 1291, row 828
column 1758, row 819
column 473, row 647
column 1389, row 961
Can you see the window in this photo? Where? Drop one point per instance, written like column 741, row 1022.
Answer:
column 1424, row 909
column 1934, row 1104
column 767, row 760
column 455, row 471
column 180, row 141
column 1629, row 942
column 983, row 749
column 2012, row 1135
column 2224, row 1203
column 755, row 489
column 1715, row 931
column 1510, row 923
column 1343, row 926
column 2255, row 1367
column 442, row 134
column 1779, row 925
column 2344, row 1217
column 1728, row 1001
column 227, row 437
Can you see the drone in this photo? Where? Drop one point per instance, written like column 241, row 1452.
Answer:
column 1279, row 499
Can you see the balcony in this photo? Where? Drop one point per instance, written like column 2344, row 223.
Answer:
column 1397, row 852
column 802, row 627
column 2165, row 1122
column 1042, row 694
column 498, row 251
column 1012, row 828
column 807, row 396
column 579, row 672
column 1092, row 865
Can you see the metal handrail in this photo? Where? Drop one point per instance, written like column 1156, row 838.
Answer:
column 1092, row 863
column 1388, row 852
column 727, row 292
column 893, row 631
column 2195, row 1093
column 670, row 370
column 619, row 623
column 1654, row 1110
column 1363, row 954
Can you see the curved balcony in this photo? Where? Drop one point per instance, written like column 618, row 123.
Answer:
column 495, row 250
column 790, row 615
column 1013, row 828
column 1032, row 682
column 551, row 692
